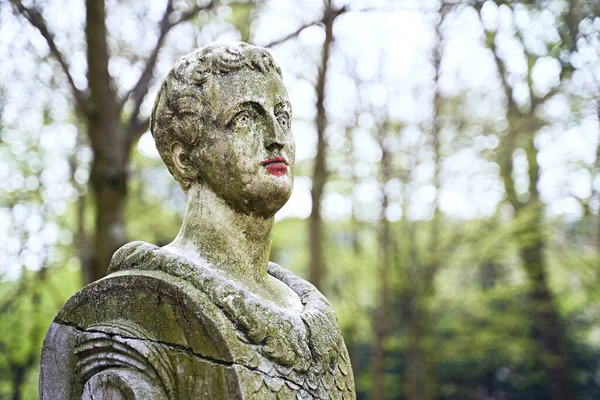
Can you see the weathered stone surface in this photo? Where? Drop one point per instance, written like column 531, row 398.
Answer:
column 207, row 316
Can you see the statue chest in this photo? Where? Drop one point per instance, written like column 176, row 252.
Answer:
column 142, row 333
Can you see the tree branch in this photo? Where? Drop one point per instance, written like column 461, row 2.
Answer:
column 35, row 18
column 508, row 91
column 192, row 12
column 490, row 38
column 571, row 22
column 293, row 34
column 140, row 90
column 330, row 14
column 536, row 101
column 136, row 129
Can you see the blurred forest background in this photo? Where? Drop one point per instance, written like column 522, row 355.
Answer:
column 447, row 197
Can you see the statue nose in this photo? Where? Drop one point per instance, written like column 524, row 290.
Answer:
column 275, row 137
column 274, row 146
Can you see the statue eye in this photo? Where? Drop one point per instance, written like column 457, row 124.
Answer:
column 242, row 119
column 283, row 120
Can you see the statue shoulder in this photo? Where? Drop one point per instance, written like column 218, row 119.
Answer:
column 330, row 370
column 133, row 255
column 308, row 293
column 132, row 332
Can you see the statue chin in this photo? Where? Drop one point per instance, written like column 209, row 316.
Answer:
column 265, row 204
column 264, row 199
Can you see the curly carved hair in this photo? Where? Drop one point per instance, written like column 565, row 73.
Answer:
column 181, row 96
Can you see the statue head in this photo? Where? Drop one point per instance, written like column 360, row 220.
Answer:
column 222, row 120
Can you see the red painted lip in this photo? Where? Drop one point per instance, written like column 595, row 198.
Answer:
column 275, row 160
column 276, row 166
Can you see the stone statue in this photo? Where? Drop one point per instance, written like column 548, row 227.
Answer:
column 207, row 316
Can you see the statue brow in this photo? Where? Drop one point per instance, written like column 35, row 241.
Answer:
column 284, row 103
column 244, row 105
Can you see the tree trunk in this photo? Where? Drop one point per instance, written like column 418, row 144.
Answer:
column 382, row 315
column 597, row 171
column 549, row 332
column 110, row 137
column 421, row 377
column 317, row 268
column 548, row 325
column 419, row 374
column 109, row 172
column 548, row 329
column 19, row 374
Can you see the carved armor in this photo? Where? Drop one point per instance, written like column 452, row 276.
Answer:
column 205, row 337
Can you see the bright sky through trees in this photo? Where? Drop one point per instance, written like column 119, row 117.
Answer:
column 457, row 148
column 387, row 50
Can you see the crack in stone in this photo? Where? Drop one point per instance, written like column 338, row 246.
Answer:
column 173, row 346
column 179, row 298
column 188, row 351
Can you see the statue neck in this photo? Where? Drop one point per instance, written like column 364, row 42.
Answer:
column 231, row 242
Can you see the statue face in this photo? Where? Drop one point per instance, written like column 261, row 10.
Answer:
column 246, row 151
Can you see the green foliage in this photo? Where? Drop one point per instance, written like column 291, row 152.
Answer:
column 241, row 18
column 465, row 304
column 27, row 307
column 149, row 217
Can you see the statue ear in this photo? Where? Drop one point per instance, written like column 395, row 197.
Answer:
column 181, row 160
